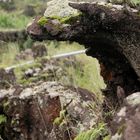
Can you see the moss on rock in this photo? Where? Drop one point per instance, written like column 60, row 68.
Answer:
column 43, row 20
column 61, row 20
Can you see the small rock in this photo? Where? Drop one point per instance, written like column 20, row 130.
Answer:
column 7, row 78
column 126, row 123
column 24, row 55
column 133, row 99
column 59, row 8
column 39, row 50
column 29, row 73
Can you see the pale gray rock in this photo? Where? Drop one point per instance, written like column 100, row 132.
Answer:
column 59, row 8
column 133, row 99
column 62, row 9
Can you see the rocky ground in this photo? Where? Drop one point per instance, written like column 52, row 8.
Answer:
column 40, row 110
column 46, row 110
column 31, row 108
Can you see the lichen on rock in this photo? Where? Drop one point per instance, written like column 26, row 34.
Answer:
column 59, row 8
column 33, row 112
column 126, row 123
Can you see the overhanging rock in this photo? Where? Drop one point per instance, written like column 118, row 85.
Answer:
column 111, row 34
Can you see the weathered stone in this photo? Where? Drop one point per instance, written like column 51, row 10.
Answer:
column 39, row 50
column 7, row 78
column 24, row 55
column 29, row 72
column 59, row 8
column 133, row 99
column 126, row 123
column 45, row 111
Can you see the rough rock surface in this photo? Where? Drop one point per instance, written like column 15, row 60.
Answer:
column 24, row 55
column 7, row 78
column 126, row 123
column 39, row 50
column 46, row 111
column 59, row 8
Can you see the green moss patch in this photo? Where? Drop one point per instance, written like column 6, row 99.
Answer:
column 63, row 20
column 93, row 134
column 42, row 21
column 3, row 119
column 61, row 117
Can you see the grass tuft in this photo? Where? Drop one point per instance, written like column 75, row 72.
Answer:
column 13, row 20
column 94, row 133
column 3, row 119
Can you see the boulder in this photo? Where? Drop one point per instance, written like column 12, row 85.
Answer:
column 126, row 123
column 46, row 111
column 39, row 50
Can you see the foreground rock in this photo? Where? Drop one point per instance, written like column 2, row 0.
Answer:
column 46, row 111
column 126, row 123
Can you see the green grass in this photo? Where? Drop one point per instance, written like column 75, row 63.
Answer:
column 13, row 20
column 135, row 1
column 8, row 52
column 90, row 77
column 23, row 3
column 94, row 133
column 85, row 74
column 3, row 119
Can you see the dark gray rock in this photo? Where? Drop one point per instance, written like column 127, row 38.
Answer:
column 126, row 123
column 7, row 78
column 47, row 110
